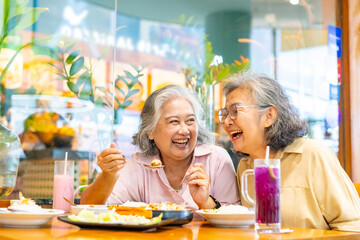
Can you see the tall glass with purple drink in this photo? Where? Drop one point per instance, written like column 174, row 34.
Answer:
column 267, row 194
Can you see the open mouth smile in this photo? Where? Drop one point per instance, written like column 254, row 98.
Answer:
column 180, row 142
column 235, row 134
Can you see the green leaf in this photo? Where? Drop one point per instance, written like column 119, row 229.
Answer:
column 76, row 66
column 83, row 78
column 101, row 89
column 46, row 51
column 11, row 25
column 123, row 80
column 129, row 74
column 61, row 76
column 135, row 67
column 72, row 86
column 133, row 92
column 222, row 74
column 117, row 101
column 122, row 92
column 98, row 101
column 188, row 22
column 28, row 18
column 87, row 90
column 72, row 57
column 127, row 103
column 107, row 100
column 53, row 65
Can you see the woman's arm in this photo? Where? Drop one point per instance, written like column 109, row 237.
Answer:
column 99, row 191
column 111, row 162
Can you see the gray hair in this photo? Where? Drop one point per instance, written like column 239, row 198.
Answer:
column 152, row 112
column 267, row 92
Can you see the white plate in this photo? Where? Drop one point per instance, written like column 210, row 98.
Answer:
column 97, row 209
column 25, row 209
column 27, row 219
column 229, row 220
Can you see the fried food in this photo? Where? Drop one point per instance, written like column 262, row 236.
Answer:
column 135, row 211
column 166, row 206
column 155, row 163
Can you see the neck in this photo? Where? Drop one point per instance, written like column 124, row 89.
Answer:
column 175, row 170
column 174, row 165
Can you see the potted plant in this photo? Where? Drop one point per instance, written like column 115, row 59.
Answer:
column 15, row 16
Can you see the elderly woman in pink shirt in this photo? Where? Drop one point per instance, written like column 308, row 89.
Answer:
column 197, row 174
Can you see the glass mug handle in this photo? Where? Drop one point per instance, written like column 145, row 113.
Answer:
column 244, row 185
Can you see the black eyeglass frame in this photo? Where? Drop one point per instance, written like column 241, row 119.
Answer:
column 224, row 112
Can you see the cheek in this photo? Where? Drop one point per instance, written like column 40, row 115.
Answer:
column 194, row 129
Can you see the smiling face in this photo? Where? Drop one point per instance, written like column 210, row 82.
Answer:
column 175, row 133
column 247, row 130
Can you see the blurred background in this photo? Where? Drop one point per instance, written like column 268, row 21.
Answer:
column 75, row 74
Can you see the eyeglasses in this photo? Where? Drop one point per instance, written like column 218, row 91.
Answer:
column 233, row 111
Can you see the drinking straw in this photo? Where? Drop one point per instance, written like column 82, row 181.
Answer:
column 66, row 156
column 267, row 152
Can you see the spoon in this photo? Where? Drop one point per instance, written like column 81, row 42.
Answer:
column 71, row 203
column 153, row 167
column 155, row 164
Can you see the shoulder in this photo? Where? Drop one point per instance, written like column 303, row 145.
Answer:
column 307, row 145
column 313, row 151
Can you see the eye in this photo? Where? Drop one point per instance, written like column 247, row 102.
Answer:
column 191, row 120
column 174, row 121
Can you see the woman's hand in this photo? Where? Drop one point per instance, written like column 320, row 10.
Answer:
column 198, row 182
column 111, row 161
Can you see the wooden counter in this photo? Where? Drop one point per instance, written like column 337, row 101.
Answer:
column 195, row 230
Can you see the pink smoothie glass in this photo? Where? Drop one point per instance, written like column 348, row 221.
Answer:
column 63, row 184
column 267, row 194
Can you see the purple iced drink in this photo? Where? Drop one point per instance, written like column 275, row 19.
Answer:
column 267, row 188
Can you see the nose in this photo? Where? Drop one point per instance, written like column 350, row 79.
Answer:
column 228, row 121
column 183, row 129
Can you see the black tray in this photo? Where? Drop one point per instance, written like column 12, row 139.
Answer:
column 119, row 226
column 180, row 216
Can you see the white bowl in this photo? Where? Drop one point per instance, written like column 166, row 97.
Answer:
column 97, row 209
column 241, row 220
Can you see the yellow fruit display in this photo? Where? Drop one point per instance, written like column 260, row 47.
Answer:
column 44, row 125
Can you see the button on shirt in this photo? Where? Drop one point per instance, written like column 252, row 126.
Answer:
column 316, row 192
column 137, row 183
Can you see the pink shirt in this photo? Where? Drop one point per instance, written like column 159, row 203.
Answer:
column 137, row 183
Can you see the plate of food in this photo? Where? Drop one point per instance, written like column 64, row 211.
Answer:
column 229, row 216
column 113, row 220
column 97, row 209
column 33, row 219
column 25, row 213
column 23, row 205
column 168, row 210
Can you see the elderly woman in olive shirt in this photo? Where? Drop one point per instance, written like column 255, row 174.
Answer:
column 315, row 190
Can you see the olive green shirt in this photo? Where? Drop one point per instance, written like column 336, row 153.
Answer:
column 315, row 190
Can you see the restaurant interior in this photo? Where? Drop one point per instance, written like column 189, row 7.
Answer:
column 75, row 75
